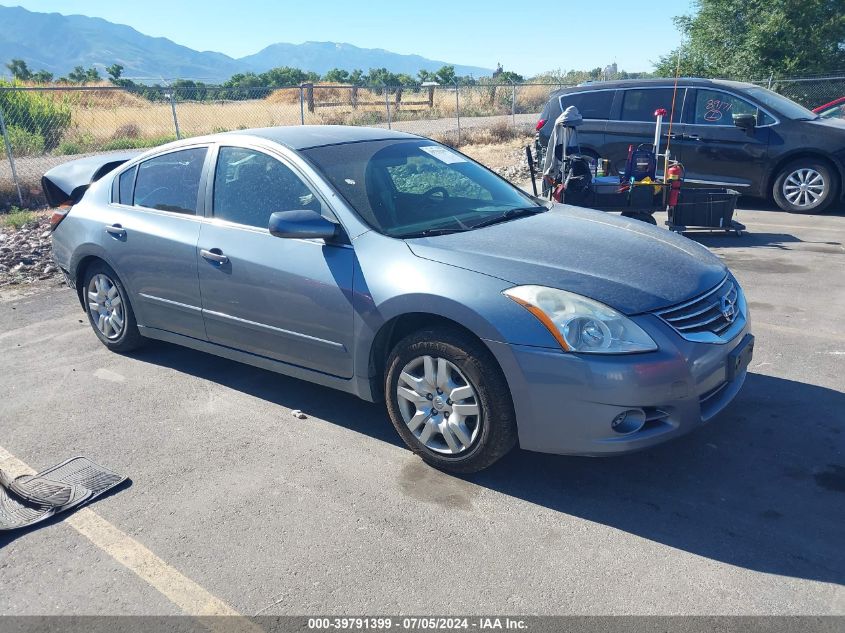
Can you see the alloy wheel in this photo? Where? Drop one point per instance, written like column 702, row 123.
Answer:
column 439, row 405
column 804, row 187
column 105, row 306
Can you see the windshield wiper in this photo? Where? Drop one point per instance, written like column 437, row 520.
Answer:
column 430, row 232
column 510, row 214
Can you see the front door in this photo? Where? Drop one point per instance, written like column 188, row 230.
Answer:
column 716, row 152
column 286, row 299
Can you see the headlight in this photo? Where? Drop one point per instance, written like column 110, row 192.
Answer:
column 580, row 324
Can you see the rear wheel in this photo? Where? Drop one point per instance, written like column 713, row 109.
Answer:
column 449, row 401
column 109, row 311
column 806, row 186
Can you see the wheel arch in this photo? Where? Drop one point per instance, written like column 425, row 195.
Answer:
column 79, row 274
column 783, row 161
column 397, row 328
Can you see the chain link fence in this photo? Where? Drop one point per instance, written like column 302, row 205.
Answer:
column 45, row 126
column 810, row 92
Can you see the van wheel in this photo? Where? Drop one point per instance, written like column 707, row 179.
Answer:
column 109, row 311
column 449, row 400
column 805, row 186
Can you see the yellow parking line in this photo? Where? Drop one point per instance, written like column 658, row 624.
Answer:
column 175, row 586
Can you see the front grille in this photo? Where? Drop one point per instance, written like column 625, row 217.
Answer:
column 710, row 317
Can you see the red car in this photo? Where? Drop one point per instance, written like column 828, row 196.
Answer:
column 833, row 110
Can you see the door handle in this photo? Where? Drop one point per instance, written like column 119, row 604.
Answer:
column 214, row 255
column 115, row 230
column 693, row 137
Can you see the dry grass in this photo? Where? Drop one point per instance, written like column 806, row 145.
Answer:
column 497, row 155
column 101, row 116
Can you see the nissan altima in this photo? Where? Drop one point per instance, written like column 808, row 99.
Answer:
column 397, row 269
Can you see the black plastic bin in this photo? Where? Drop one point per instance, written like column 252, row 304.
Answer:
column 709, row 209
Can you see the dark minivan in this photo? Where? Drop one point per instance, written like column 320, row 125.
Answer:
column 725, row 133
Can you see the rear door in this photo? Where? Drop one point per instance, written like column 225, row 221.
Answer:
column 716, row 152
column 286, row 299
column 151, row 236
column 633, row 121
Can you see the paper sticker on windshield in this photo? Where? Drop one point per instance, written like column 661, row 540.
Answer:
column 443, row 154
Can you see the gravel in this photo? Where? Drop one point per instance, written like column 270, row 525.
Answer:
column 26, row 254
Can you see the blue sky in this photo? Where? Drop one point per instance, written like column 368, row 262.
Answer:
column 527, row 37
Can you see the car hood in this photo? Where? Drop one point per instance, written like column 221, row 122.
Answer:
column 627, row 264
column 834, row 122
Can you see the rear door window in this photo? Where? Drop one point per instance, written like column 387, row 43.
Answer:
column 591, row 105
column 714, row 107
column 639, row 104
column 171, row 182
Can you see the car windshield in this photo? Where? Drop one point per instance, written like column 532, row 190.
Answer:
column 413, row 188
column 781, row 104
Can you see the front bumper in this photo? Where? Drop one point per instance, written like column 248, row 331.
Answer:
column 565, row 403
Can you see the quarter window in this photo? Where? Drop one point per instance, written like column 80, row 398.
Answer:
column 591, row 105
column 714, row 107
column 249, row 186
column 125, row 185
column 640, row 104
column 170, row 182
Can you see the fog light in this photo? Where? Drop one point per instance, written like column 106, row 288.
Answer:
column 629, row 421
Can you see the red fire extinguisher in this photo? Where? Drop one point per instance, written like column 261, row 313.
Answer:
column 675, row 173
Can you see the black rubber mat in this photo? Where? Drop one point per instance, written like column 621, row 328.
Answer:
column 39, row 490
column 87, row 480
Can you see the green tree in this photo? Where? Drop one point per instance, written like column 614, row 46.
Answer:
column 42, row 77
column 752, row 39
column 356, row 77
column 19, row 70
column 114, row 71
column 509, row 77
column 446, row 75
column 285, row 76
column 337, row 76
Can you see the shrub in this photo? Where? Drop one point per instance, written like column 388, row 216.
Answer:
column 127, row 130
column 136, row 143
column 25, row 143
column 35, row 113
column 69, row 148
column 16, row 218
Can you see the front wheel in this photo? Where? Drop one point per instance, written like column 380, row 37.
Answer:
column 805, row 186
column 449, row 401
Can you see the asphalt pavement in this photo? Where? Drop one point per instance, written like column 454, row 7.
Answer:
column 237, row 505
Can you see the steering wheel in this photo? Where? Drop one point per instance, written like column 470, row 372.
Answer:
column 431, row 193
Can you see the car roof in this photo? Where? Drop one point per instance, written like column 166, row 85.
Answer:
column 645, row 83
column 299, row 137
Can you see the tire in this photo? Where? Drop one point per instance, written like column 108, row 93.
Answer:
column 820, row 186
column 115, row 323
column 463, row 366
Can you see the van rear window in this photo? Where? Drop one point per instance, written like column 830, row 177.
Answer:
column 591, row 105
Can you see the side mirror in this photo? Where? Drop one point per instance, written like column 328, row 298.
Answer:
column 745, row 121
column 303, row 224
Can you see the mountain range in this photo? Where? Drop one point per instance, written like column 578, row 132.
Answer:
column 58, row 43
